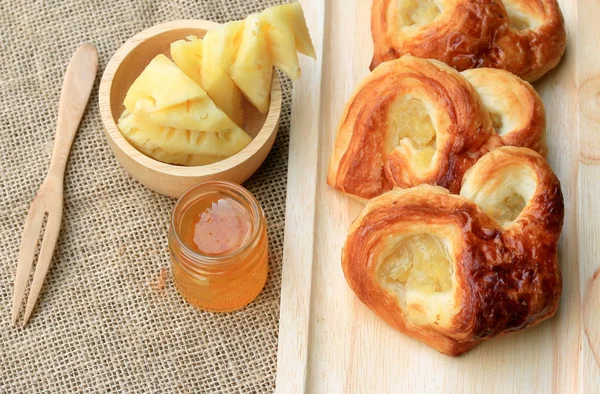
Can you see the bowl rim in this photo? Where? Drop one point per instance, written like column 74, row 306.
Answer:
column 112, row 131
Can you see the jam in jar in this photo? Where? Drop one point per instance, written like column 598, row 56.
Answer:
column 219, row 247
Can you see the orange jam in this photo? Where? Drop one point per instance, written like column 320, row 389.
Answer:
column 218, row 243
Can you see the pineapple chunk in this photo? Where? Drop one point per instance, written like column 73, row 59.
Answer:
column 141, row 142
column 221, row 144
column 225, row 94
column 287, row 33
column 201, row 115
column 224, row 43
column 303, row 42
column 176, row 146
column 294, row 15
column 282, row 44
column 187, row 55
column 164, row 84
column 171, row 118
column 252, row 71
column 220, row 47
column 197, row 127
column 421, row 262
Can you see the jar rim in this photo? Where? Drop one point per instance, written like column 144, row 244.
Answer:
column 234, row 190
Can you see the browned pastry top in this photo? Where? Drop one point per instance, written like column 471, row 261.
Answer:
column 414, row 121
column 525, row 37
column 453, row 270
column 517, row 112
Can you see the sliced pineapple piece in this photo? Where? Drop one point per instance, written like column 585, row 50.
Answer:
column 163, row 144
column 164, row 84
column 141, row 141
column 253, row 70
column 223, row 43
column 197, row 127
column 171, row 118
column 130, row 130
column 287, row 34
column 200, row 115
column 282, row 43
column 421, row 262
column 294, row 15
column 221, row 144
column 220, row 47
column 187, row 55
column 226, row 95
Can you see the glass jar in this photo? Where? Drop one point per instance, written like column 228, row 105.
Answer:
column 219, row 247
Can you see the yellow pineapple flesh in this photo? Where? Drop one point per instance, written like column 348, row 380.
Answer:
column 292, row 15
column 220, row 47
column 417, row 12
column 421, row 262
column 201, row 115
column 224, row 42
column 187, row 55
column 189, row 111
column 198, row 127
column 282, row 43
column 141, row 141
column 252, row 70
column 409, row 123
column 190, row 130
column 164, row 84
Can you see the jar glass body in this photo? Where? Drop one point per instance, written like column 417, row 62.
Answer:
column 220, row 283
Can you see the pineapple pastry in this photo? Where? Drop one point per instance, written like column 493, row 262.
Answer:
column 454, row 270
column 525, row 37
column 189, row 111
column 414, row 121
column 516, row 110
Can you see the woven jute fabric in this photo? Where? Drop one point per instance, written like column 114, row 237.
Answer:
column 104, row 322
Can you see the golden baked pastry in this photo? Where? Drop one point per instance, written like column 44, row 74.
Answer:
column 516, row 110
column 525, row 37
column 452, row 273
column 414, row 121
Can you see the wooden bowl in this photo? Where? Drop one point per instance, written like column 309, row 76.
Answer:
column 172, row 180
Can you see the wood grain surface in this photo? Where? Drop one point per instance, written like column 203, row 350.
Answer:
column 586, row 48
column 77, row 86
column 330, row 342
column 292, row 357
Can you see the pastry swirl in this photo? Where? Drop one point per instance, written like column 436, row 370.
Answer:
column 414, row 121
column 525, row 37
column 454, row 270
column 517, row 112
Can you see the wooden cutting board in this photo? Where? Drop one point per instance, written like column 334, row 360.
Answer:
column 329, row 341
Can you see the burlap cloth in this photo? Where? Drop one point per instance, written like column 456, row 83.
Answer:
column 103, row 322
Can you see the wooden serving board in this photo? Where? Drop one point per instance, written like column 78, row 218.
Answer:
column 329, row 341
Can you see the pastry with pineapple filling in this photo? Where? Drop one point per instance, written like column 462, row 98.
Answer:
column 455, row 270
column 414, row 121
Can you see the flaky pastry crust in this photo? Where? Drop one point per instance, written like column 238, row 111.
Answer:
column 516, row 110
column 501, row 275
column 525, row 37
column 414, row 121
